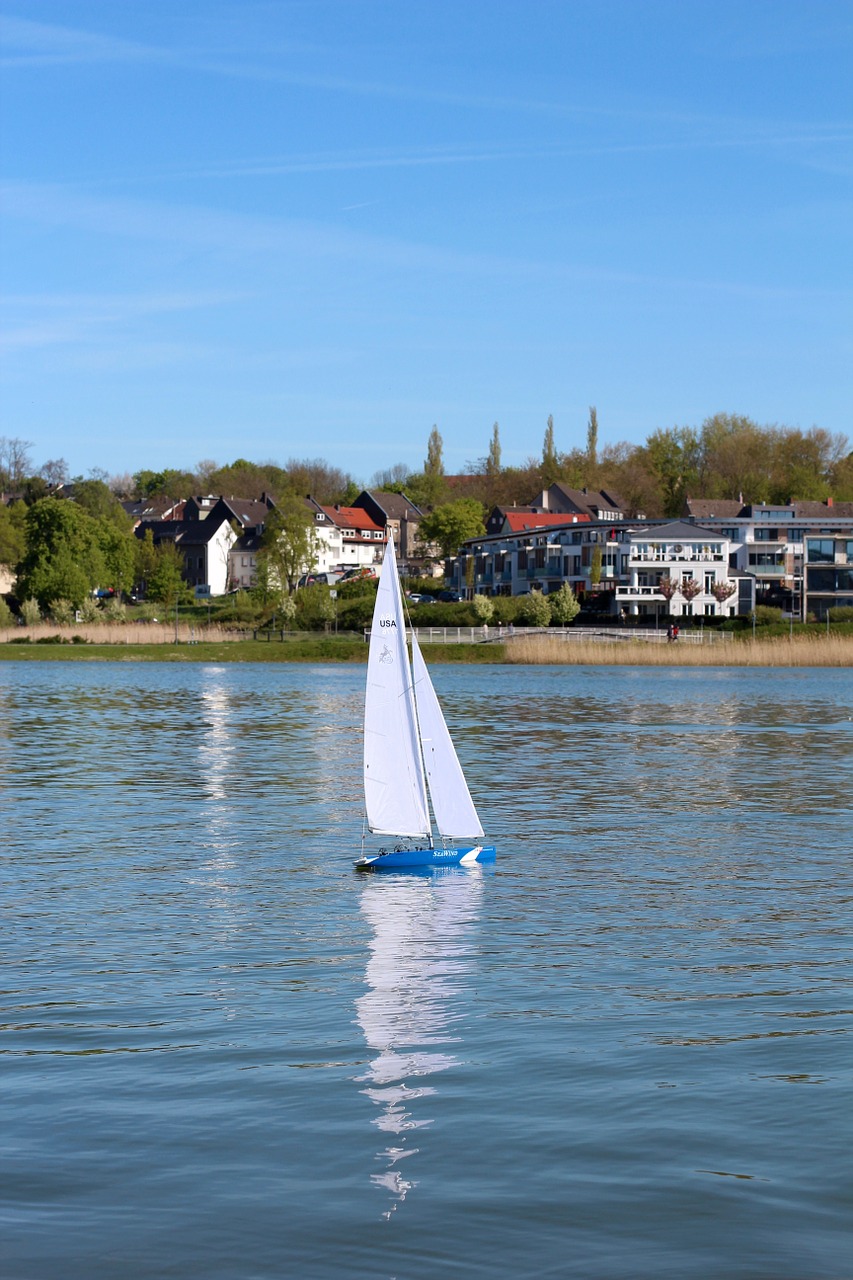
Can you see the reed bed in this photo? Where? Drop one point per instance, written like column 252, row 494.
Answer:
column 121, row 633
column 801, row 651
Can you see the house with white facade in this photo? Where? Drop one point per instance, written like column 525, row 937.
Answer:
column 348, row 538
column 767, row 541
column 204, row 545
column 641, row 569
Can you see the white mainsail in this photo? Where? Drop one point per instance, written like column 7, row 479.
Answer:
column 394, row 786
column 452, row 805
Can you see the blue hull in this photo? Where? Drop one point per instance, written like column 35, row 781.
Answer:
column 464, row 856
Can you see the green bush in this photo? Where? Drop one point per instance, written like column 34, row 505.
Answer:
column 506, row 608
column 31, row 613
column 7, row 617
column 315, row 608
column 113, row 611
column 535, row 610
column 484, row 608
column 444, row 614
column 841, row 613
column 766, row 615
column 61, row 612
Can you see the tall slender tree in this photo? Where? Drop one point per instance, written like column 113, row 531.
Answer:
column 550, row 462
column 493, row 461
column 592, row 437
column 434, row 465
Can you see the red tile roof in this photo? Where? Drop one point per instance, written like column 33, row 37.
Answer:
column 518, row 521
column 352, row 518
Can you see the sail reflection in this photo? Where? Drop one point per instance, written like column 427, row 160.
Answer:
column 417, row 974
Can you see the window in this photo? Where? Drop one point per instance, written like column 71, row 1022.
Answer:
column 709, row 583
column 733, row 535
column 820, row 550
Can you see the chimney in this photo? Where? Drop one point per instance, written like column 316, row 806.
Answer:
column 829, row 502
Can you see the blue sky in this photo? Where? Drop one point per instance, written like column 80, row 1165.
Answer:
column 275, row 230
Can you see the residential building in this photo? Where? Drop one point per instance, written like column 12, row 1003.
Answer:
column 767, row 541
column 827, row 573
column 399, row 518
column 204, row 545
column 643, row 569
column 348, row 537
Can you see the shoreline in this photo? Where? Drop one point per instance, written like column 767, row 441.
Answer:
column 799, row 651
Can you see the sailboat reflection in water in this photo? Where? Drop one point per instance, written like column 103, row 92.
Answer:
column 419, row 967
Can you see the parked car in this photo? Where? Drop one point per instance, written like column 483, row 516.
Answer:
column 329, row 579
column 419, row 597
column 364, row 572
column 450, row 597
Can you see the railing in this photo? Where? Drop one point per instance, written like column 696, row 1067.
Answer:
column 706, row 558
column 505, row 634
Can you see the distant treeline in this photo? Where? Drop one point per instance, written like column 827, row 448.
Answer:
column 728, row 456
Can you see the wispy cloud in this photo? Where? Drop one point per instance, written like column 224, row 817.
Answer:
column 26, row 43
column 274, row 242
column 48, row 320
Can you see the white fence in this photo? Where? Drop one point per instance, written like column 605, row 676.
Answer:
column 606, row 635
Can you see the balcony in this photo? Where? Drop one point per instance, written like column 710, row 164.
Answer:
column 673, row 557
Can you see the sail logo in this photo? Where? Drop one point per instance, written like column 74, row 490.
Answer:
column 387, row 622
column 386, row 655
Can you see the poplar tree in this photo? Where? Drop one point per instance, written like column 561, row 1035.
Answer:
column 550, row 462
column 493, row 461
column 434, row 465
column 592, row 436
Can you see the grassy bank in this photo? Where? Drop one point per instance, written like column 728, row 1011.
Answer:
column 304, row 648
column 777, row 651
column 156, row 643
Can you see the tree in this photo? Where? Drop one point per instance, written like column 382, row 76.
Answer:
column 166, row 584
column 434, row 465
column 12, row 536
column 452, row 524
column 595, row 566
column 673, row 456
column 723, row 591
column 327, row 485
column 54, row 472
column 592, row 437
column 14, row 461
column 145, row 559
column 483, row 607
column 290, row 543
column 119, row 551
column 667, row 587
column 535, row 610
column 96, row 497
column 689, row 587
column 550, row 464
column 63, row 556
column 391, row 479
column 493, row 460
column 564, row 605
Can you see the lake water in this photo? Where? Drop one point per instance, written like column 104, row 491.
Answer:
column 624, row 1052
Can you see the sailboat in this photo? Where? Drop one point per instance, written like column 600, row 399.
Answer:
column 407, row 746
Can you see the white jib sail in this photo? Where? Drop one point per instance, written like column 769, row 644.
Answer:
column 394, row 787
column 452, row 805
